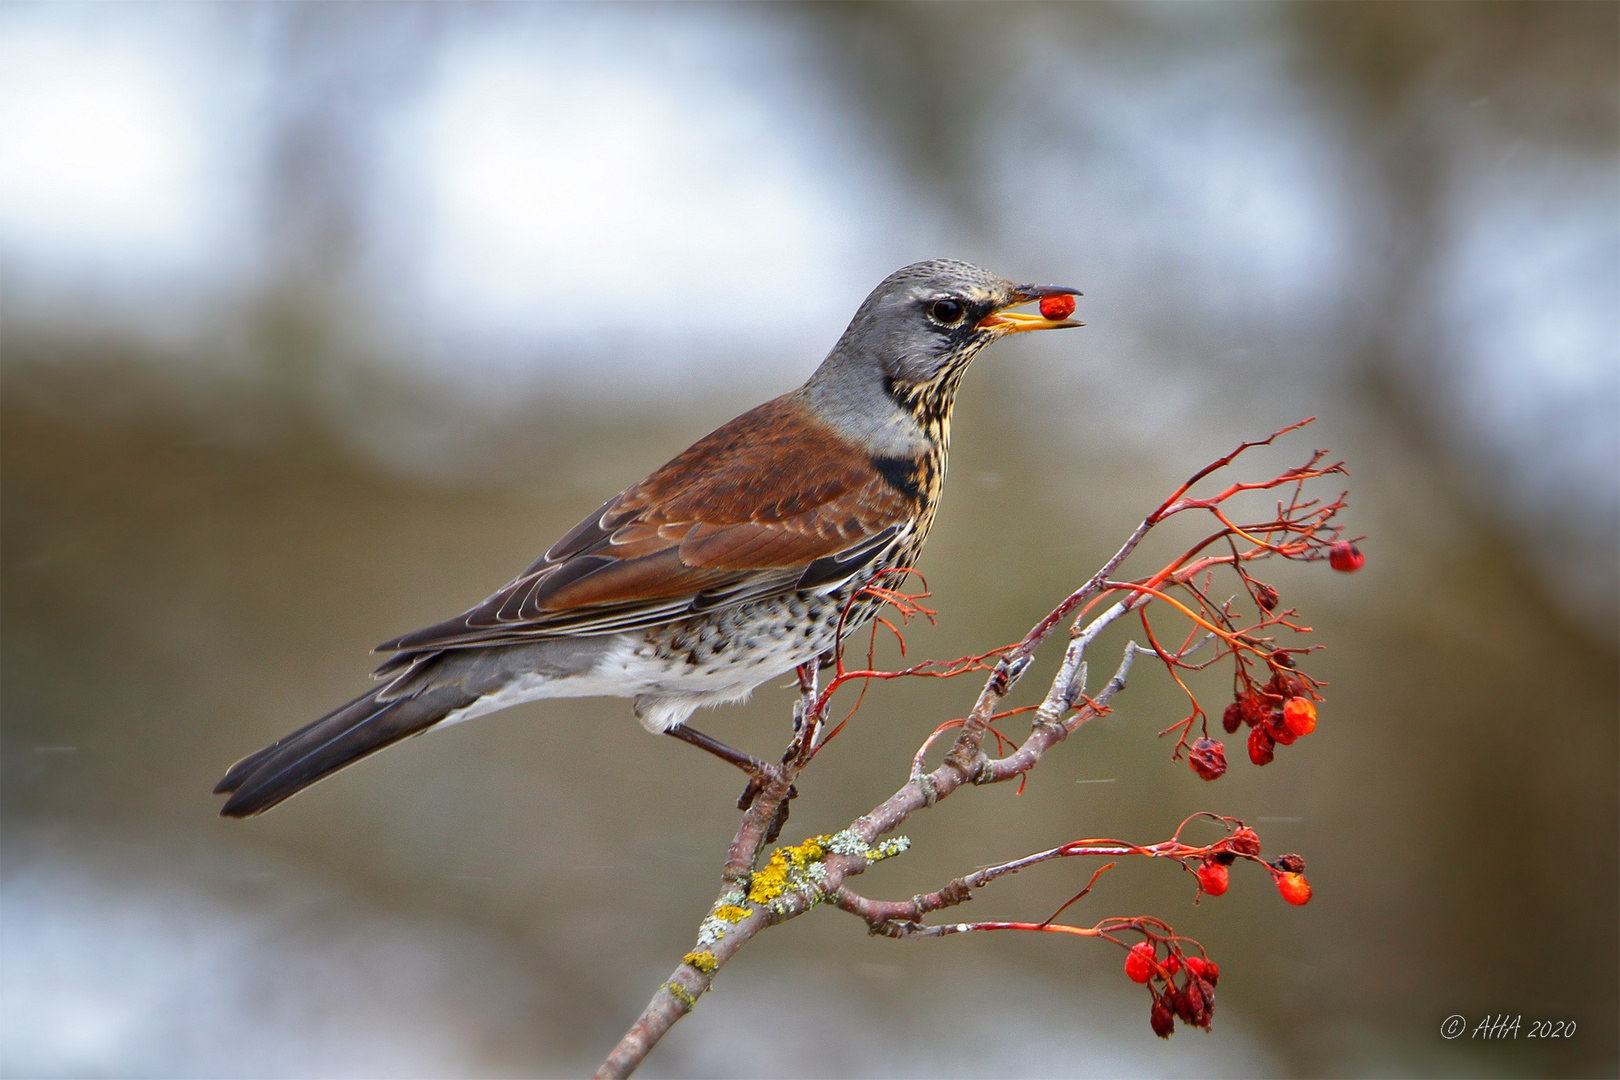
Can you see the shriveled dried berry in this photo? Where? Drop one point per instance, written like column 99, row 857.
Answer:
column 1232, row 717
column 1254, row 706
column 1057, row 307
column 1299, row 715
column 1266, row 596
column 1208, row 759
column 1291, row 864
column 1163, row 1019
column 1213, row 878
column 1185, row 1008
column 1285, row 686
column 1262, row 748
column 1139, row 962
column 1204, row 969
column 1195, row 1001
column 1345, row 557
column 1246, row 841
column 1278, row 730
column 1207, row 991
column 1282, row 658
column 1294, row 888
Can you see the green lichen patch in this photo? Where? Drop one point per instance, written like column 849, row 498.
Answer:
column 847, row 843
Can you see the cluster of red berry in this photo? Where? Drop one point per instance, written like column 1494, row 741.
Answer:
column 1193, row 1000
column 1287, row 871
column 1277, row 713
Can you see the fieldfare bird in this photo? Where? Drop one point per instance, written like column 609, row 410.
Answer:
column 733, row 564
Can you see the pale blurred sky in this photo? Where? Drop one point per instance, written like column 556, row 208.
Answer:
column 626, row 201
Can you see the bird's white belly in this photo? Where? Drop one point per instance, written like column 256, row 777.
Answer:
column 637, row 667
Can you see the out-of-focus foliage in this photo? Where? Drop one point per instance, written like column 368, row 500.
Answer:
column 320, row 321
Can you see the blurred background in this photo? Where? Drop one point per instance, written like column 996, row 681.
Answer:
column 321, row 320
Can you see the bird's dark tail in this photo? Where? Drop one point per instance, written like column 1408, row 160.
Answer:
column 341, row 737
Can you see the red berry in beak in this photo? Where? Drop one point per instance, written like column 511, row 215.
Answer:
column 1057, row 308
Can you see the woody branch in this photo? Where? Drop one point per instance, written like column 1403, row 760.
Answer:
column 798, row 878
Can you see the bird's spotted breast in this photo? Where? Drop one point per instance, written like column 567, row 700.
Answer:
column 749, row 642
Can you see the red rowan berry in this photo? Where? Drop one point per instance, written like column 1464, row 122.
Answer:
column 1262, row 747
column 1163, row 1019
column 1139, row 962
column 1294, row 888
column 1207, row 758
column 1203, row 969
column 1345, row 557
column 1278, row 730
column 1213, row 878
column 1057, row 307
column 1299, row 715
column 1172, row 964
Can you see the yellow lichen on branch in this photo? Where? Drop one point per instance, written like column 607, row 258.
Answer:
column 703, row 961
column 788, row 868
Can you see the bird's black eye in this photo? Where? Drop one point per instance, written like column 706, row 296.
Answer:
column 946, row 312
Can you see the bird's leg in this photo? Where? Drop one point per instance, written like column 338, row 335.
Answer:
column 746, row 762
column 758, row 772
column 807, row 688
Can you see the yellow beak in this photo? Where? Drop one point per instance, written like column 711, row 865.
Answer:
column 1005, row 321
column 1017, row 322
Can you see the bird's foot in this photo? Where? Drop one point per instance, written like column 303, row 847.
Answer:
column 759, row 773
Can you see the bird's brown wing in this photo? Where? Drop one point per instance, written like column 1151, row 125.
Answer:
column 773, row 501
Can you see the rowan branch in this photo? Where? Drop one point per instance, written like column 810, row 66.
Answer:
column 796, row 878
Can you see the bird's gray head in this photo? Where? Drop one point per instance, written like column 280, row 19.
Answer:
column 917, row 331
